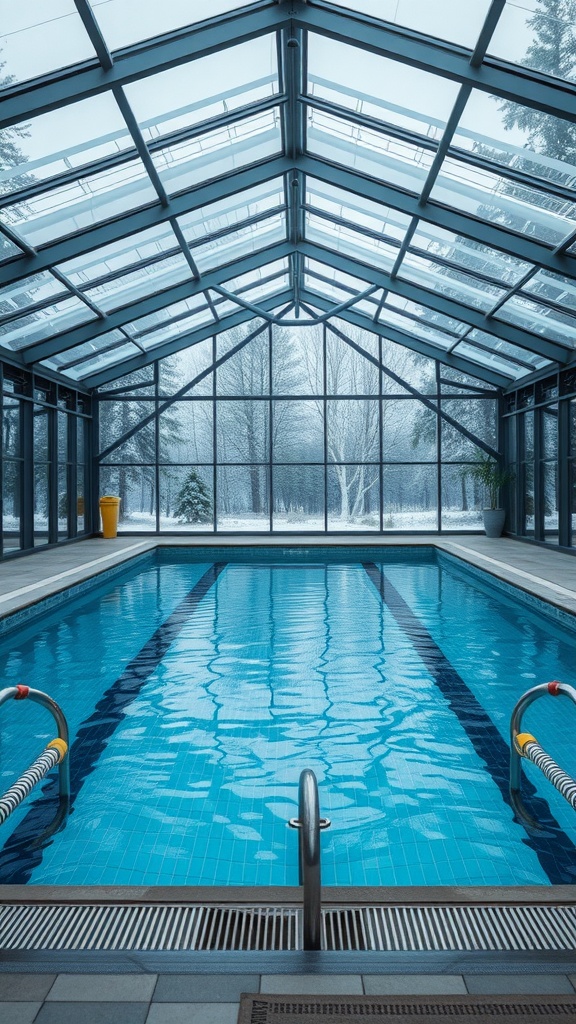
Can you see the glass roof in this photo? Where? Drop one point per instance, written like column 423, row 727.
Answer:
column 380, row 161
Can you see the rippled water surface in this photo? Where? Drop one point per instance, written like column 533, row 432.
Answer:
column 197, row 695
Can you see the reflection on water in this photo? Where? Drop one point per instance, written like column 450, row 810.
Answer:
column 281, row 668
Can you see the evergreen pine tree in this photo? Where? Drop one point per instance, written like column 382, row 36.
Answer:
column 193, row 503
column 553, row 51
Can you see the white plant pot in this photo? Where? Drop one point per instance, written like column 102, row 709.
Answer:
column 494, row 521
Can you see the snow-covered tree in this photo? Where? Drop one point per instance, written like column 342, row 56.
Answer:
column 193, row 504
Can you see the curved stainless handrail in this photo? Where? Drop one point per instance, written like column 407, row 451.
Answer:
column 309, row 824
column 38, row 697
column 525, row 745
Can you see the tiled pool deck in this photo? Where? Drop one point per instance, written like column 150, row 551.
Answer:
column 204, row 988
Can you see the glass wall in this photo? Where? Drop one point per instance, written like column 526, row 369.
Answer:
column 540, row 428
column 286, row 429
column 44, row 459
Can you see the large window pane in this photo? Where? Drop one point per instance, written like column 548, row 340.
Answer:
column 186, row 499
column 11, row 505
column 298, row 498
column 410, row 499
column 186, row 433
column 298, row 431
column 243, row 498
column 353, row 431
column 409, row 431
column 461, row 499
column 243, row 431
column 353, row 498
column 135, row 486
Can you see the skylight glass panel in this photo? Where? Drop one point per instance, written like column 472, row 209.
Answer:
column 139, row 283
column 511, row 135
column 112, row 357
column 228, row 212
column 334, row 284
column 537, row 36
column 533, row 360
column 364, row 213
column 120, row 255
column 224, row 306
column 8, row 249
column 249, row 140
column 67, row 138
column 80, row 204
column 422, row 313
column 378, row 87
column 36, row 38
column 63, row 360
column 538, row 319
column 378, row 154
column 259, row 292
column 452, row 20
column 236, row 244
column 493, row 197
column 129, row 21
column 170, row 322
column 343, row 238
column 419, row 328
column 205, row 88
column 257, row 278
column 451, row 283
column 553, row 288
column 467, row 254
column 27, row 292
column 44, row 323
column 491, row 360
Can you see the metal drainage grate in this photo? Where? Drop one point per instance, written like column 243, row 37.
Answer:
column 169, row 927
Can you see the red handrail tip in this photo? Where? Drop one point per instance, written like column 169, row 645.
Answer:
column 553, row 687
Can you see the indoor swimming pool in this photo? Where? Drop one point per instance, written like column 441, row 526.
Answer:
column 198, row 683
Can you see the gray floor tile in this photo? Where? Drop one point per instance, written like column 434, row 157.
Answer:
column 204, row 988
column 18, row 1013
column 312, row 984
column 413, row 984
column 108, row 988
column 524, row 984
column 93, row 1013
column 193, row 1013
column 25, row 986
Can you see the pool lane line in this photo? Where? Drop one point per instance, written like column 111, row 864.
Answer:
column 556, row 853
column 19, row 856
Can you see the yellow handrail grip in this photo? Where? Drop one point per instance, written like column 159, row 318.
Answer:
column 523, row 738
column 60, row 745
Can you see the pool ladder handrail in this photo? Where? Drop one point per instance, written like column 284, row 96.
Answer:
column 524, row 744
column 309, row 825
column 55, row 753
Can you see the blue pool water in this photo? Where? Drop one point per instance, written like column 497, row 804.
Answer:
column 197, row 691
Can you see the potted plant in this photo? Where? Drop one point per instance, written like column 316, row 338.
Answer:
column 492, row 478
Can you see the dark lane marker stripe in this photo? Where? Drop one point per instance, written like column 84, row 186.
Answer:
column 556, row 853
column 19, row 857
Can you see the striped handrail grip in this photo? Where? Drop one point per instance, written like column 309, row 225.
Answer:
column 563, row 782
column 51, row 756
column 523, row 744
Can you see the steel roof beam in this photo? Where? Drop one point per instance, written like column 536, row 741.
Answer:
column 153, row 304
column 441, row 58
column 438, row 303
column 391, row 334
column 485, row 232
column 27, row 99
column 131, row 223
column 96, row 380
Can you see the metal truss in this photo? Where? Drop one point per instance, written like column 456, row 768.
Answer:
column 291, row 22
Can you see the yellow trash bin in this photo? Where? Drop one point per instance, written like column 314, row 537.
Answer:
column 109, row 509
